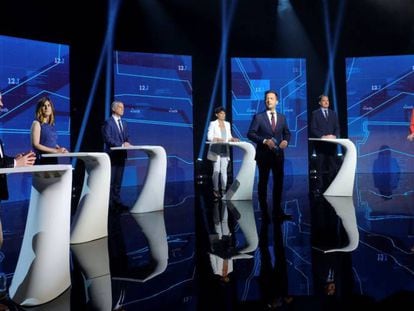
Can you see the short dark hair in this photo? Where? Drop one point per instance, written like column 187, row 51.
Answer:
column 322, row 95
column 219, row 109
column 270, row 91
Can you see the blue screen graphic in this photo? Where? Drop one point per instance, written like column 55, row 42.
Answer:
column 251, row 77
column 380, row 99
column 30, row 70
column 156, row 90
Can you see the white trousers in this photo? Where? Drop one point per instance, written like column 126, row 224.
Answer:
column 220, row 168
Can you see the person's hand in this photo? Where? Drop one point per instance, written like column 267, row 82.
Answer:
column 126, row 144
column 218, row 140
column 329, row 136
column 410, row 137
column 270, row 144
column 61, row 150
column 25, row 159
column 234, row 139
column 283, row 144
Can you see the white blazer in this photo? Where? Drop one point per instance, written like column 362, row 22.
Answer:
column 214, row 131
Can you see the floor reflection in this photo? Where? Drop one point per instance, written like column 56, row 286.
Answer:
column 273, row 277
column 345, row 210
column 93, row 260
column 222, row 222
column 335, row 253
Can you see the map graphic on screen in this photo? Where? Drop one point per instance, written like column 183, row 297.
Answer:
column 380, row 100
column 156, row 90
column 30, row 70
column 251, row 77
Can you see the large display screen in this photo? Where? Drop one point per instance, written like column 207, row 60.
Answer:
column 156, row 90
column 380, row 100
column 251, row 77
column 30, row 70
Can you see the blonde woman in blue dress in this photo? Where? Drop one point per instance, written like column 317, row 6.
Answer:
column 219, row 131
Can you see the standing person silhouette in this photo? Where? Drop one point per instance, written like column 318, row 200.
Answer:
column 115, row 134
column 410, row 136
column 270, row 132
column 219, row 131
column 43, row 132
column 324, row 124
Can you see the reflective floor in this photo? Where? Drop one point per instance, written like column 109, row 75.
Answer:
column 207, row 254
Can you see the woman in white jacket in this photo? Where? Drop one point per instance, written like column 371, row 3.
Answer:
column 219, row 131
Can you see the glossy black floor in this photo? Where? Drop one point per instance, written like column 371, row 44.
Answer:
column 202, row 254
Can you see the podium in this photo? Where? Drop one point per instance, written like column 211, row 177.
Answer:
column 42, row 271
column 246, row 223
column 151, row 197
column 344, row 208
column 242, row 186
column 93, row 258
column 153, row 227
column 343, row 183
column 91, row 219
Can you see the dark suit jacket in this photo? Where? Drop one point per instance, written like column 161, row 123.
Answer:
column 113, row 138
column 260, row 129
column 321, row 126
column 5, row 162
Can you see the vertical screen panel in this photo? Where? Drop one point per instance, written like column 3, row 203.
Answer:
column 251, row 77
column 30, row 70
column 156, row 90
column 380, row 99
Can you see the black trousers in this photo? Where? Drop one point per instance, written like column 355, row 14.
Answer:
column 117, row 173
column 271, row 163
column 326, row 164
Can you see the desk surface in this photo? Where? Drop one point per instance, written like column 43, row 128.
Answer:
column 227, row 142
column 72, row 154
column 36, row 168
column 329, row 139
column 136, row 147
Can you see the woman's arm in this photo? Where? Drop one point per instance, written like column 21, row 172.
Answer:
column 35, row 139
column 229, row 135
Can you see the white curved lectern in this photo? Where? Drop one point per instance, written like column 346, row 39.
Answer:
column 93, row 258
column 42, row 272
column 153, row 226
column 344, row 208
column 247, row 224
column 91, row 219
column 343, row 184
column 242, row 186
column 152, row 195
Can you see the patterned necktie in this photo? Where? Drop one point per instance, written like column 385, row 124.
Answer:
column 273, row 121
column 121, row 129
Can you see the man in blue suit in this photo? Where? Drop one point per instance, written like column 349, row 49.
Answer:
column 115, row 134
column 270, row 132
column 324, row 124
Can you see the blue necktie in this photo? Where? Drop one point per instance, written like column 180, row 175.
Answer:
column 121, row 129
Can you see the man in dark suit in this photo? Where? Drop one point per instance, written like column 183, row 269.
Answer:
column 115, row 134
column 324, row 124
column 26, row 159
column 270, row 132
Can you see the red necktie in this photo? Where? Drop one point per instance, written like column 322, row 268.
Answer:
column 273, row 121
